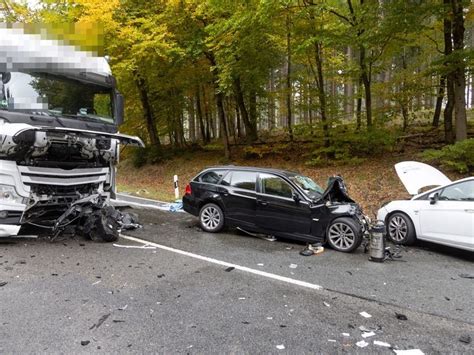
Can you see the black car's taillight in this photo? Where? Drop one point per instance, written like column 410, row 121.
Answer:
column 188, row 190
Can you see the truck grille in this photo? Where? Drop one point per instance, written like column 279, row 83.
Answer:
column 58, row 177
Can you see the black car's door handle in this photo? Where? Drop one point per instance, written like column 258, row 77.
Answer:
column 224, row 192
column 262, row 203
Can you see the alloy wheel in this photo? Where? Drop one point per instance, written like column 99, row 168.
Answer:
column 342, row 236
column 398, row 229
column 210, row 217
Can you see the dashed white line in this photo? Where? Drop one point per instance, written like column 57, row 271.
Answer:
column 269, row 275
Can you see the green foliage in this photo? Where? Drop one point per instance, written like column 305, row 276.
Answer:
column 457, row 157
column 265, row 150
column 349, row 146
column 147, row 155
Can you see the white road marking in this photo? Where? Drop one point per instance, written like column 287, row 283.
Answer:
column 224, row 263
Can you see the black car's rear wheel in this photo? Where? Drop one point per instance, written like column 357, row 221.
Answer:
column 344, row 234
column 211, row 218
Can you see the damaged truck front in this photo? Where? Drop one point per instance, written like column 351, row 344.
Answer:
column 59, row 116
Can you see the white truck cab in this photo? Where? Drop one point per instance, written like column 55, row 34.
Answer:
column 59, row 117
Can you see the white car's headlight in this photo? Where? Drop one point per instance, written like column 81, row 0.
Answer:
column 8, row 194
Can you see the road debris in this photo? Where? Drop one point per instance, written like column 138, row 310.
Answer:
column 260, row 264
column 3, row 283
column 409, row 352
column 293, row 266
column 401, row 316
column 467, row 276
column 312, row 249
column 327, row 304
column 241, row 298
column 331, row 340
column 97, row 282
column 365, row 314
column 85, row 342
column 100, row 321
column 465, row 338
column 230, row 268
column 123, row 308
column 280, row 347
column 362, row 344
column 367, row 334
column 146, row 246
column 381, row 343
column 345, row 334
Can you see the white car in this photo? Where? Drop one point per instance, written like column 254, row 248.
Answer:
column 443, row 215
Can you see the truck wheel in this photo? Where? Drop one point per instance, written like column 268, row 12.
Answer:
column 400, row 229
column 344, row 234
column 100, row 226
column 211, row 218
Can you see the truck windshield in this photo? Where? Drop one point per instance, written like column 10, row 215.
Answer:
column 54, row 95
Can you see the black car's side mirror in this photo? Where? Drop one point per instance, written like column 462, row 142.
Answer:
column 296, row 197
column 433, row 198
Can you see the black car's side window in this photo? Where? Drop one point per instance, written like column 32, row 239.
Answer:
column 212, row 177
column 244, row 180
column 273, row 185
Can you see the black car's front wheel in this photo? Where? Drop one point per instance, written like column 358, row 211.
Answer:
column 211, row 218
column 344, row 234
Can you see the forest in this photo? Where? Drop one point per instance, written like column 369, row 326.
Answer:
column 348, row 77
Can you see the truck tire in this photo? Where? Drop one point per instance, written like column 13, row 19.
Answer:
column 101, row 226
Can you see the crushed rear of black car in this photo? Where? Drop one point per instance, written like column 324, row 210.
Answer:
column 276, row 202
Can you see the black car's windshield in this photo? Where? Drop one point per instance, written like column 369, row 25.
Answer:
column 54, row 95
column 312, row 189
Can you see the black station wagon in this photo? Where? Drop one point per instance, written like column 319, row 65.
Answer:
column 276, row 202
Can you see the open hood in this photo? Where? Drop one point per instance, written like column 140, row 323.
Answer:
column 415, row 176
column 336, row 191
column 30, row 132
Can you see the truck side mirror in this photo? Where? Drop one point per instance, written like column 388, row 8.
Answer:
column 119, row 109
column 433, row 198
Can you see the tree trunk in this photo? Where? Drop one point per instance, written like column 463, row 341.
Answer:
column 251, row 132
column 149, row 117
column 222, row 120
column 448, row 49
column 459, row 75
column 359, row 105
column 191, row 120
column 200, row 117
column 367, row 88
column 253, row 110
column 288, row 79
column 439, row 101
column 321, row 92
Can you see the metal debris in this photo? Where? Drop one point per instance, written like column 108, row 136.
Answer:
column 465, row 338
column 367, row 334
column 381, row 343
column 365, row 314
column 409, row 352
column 401, row 316
column 362, row 344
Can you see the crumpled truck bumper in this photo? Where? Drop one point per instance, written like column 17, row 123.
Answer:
column 9, row 230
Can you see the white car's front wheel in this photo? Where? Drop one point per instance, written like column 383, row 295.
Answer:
column 400, row 229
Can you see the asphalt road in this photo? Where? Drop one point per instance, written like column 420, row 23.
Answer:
column 125, row 300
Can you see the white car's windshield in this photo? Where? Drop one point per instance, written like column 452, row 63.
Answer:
column 53, row 95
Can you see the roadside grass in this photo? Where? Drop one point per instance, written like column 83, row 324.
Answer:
column 370, row 183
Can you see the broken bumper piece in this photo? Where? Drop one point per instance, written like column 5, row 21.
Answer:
column 9, row 230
